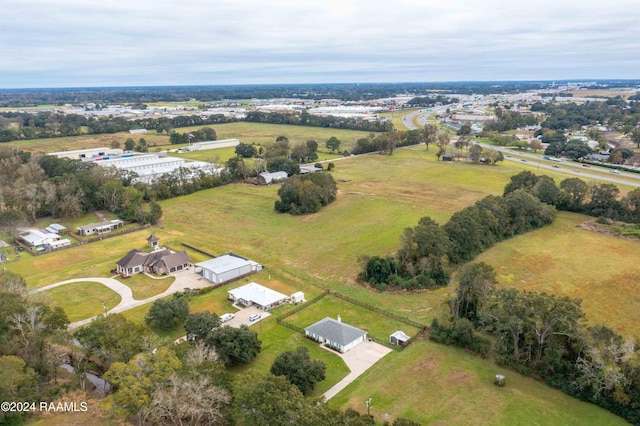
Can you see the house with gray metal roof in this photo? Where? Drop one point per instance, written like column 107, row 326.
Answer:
column 335, row 334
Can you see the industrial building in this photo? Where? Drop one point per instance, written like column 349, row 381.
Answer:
column 87, row 154
column 148, row 167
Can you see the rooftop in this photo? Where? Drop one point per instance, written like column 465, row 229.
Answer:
column 336, row 331
column 257, row 294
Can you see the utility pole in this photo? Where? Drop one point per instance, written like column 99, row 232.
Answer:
column 368, row 402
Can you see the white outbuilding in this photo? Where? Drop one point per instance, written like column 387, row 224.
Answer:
column 254, row 294
column 297, row 297
column 226, row 268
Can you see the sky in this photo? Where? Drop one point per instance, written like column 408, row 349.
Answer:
column 83, row 43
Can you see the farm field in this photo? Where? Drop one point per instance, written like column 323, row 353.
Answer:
column 259, row 133
column 378, row 197
column 557, row 260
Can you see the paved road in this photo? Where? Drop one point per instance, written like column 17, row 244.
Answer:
column 568, row 167
column 184, row 279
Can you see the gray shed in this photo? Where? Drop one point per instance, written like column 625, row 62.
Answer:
column 399, row 338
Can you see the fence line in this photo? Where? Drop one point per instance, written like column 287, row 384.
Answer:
column 377, row 310
column 198, row 250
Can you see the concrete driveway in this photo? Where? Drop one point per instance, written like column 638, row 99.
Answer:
column 359, row 359
column 242, row 316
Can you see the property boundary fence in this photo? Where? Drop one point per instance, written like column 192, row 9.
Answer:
column 189, row 246
column 377, row 310
column 423, row 328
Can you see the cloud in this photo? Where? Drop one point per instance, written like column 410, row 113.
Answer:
column 73, row 42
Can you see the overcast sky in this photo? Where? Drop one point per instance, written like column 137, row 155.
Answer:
column 74, row 43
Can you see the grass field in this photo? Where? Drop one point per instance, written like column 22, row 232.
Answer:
column 601, row 270
column 259, row 133
column 441, row 385
column 80, row 300
column 378, row 197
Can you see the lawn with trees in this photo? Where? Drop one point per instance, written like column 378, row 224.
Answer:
column 401, row 189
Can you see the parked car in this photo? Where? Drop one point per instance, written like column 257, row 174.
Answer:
column 586, row 165
column 226, row 317
column 556, row 167
column 254, row 317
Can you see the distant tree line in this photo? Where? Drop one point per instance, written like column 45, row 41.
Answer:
column 44, row 185
column 429, row 101
column 306, row 119
column 509, row 120
column 24, row 125
column 573, row 194
column 342, row 91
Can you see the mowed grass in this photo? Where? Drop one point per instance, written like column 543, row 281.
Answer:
column 80, row 300
column 277, row 339
column 143, row 286
column 601, row 270
column 442, row 385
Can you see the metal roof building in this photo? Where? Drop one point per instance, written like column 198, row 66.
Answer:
column 258, row 295
column 335, row 334
column 226, row 268
column 266, row 178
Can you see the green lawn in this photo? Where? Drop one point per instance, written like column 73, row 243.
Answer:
column 277, row 339
column 80, row 300
column 437, row 384
column 143, row 286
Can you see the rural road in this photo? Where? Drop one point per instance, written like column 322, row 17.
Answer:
column 184, row 279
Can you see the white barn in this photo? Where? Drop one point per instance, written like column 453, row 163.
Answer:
column 335, row 334
column 254, row 294
column 227, row 267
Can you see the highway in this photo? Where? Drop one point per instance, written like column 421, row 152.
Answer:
column 565, row 166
